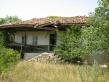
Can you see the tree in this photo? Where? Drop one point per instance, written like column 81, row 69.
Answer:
column 90, row 40
column 69, row 47
column 2, row 21
column 8, row 57
column 4, row 40
column 95, row 38
column 53, row 17
column 9, row 19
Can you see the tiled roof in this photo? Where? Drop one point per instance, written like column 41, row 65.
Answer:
column 41, row 22
column 63, row 20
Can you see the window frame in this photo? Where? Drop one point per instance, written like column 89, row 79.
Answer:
column 35, row 40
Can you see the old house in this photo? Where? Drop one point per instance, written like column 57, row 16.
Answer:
column 38, row 34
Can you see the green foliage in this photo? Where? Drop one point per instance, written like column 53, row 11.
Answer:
column 1, row 39
column 95, row 38
column 9, row 19
column 8, row 57
column 91, row 39
column 5, row 36
column 69, row 47
column 52, row 17
column 2, row 21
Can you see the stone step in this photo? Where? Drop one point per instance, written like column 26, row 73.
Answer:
column 43, row 57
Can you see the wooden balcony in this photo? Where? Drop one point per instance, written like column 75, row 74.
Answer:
column 31, row 48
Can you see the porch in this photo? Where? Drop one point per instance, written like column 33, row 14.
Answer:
column 31, row 48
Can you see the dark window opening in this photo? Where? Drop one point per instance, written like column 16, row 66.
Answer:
column 52, row 41
column 23, row 40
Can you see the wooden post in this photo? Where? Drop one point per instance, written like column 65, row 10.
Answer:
column 25, row 42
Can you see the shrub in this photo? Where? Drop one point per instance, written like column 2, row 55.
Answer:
column 1, row 39
column 69, row 47
column 8, row 57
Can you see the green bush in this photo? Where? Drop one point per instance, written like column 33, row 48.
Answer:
column 8, row 57
column 1, row 39
column 69, row 47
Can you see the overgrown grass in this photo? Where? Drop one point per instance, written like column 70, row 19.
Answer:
column 27, row 71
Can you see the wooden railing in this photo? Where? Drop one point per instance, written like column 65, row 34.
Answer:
column 31, row 48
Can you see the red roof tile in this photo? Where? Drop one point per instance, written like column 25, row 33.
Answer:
column 47, row 21
column 63, row 20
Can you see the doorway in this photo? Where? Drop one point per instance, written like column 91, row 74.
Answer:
column 52, row 41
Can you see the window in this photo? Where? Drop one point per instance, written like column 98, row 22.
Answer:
column 23, row 40
column 35, row 40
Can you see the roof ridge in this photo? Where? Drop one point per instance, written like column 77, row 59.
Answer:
column 65, row 20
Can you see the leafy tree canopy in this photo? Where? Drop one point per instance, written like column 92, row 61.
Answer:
column 52, row 17
column 9, row 19
column 8, row 57
column 96, row 36
column 89, row 40
column 4, row 35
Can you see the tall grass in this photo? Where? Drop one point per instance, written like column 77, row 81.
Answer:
column 45, row 72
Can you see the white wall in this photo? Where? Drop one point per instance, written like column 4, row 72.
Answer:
column 18, row 37
column 43, row 37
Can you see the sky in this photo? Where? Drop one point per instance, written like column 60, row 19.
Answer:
column 27, row 9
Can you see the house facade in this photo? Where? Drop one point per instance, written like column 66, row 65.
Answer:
column 39, row 39
column 39, row 34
